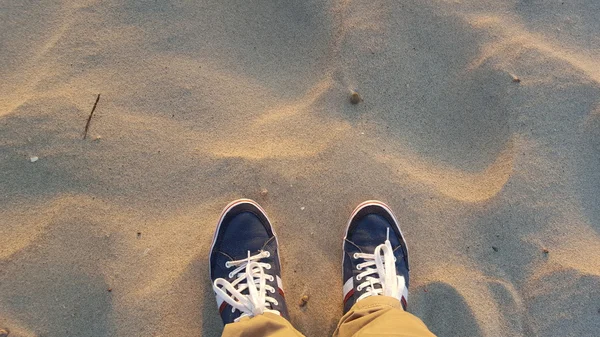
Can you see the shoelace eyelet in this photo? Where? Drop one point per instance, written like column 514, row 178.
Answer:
column 359, row 266
column 355, row 255
column 267, row 254
column 227, row 265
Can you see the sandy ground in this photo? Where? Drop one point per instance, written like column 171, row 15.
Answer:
column 480, row 126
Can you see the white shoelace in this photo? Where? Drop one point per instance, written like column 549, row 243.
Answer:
column 385, row 272
column 250, row 276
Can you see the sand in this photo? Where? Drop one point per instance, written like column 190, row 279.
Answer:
column 479, row 126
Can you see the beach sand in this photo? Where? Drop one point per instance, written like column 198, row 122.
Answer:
column 479, row 126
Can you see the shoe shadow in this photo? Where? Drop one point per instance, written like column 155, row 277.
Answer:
column 444, row 311
column 211, row 321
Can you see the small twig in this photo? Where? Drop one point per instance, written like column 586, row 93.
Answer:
column 87, row 125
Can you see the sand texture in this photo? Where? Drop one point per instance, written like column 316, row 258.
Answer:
column 479, row 125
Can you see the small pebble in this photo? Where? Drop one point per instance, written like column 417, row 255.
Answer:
column 515, row 79
column 303, row 300
column 495, row 248
column 33, row 159
column 4, row 332
column 264, row 192
column 545, row 250
column 109, row 290
column 355, row 98
column 302, row 208
column 139, row 234
column 97, row 138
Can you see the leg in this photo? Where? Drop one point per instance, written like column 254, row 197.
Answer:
column 376, row 278
column 246, row 274
column 267, row 325
column 380, row 316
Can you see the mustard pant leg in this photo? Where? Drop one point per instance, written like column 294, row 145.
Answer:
column 373, row 316
column 380, row 316
column 265, row 325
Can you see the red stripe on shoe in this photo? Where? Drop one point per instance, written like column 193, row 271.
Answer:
column 348, row 295
column 403, row 301
column 222, row 307
column 280, row 291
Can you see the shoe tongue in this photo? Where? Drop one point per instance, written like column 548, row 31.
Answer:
column 244, row 233
column 371, row 231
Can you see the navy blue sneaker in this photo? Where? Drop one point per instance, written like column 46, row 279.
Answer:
column 375, row 260
column 244, row 264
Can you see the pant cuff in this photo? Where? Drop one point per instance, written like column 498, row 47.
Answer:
column 377, row 301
